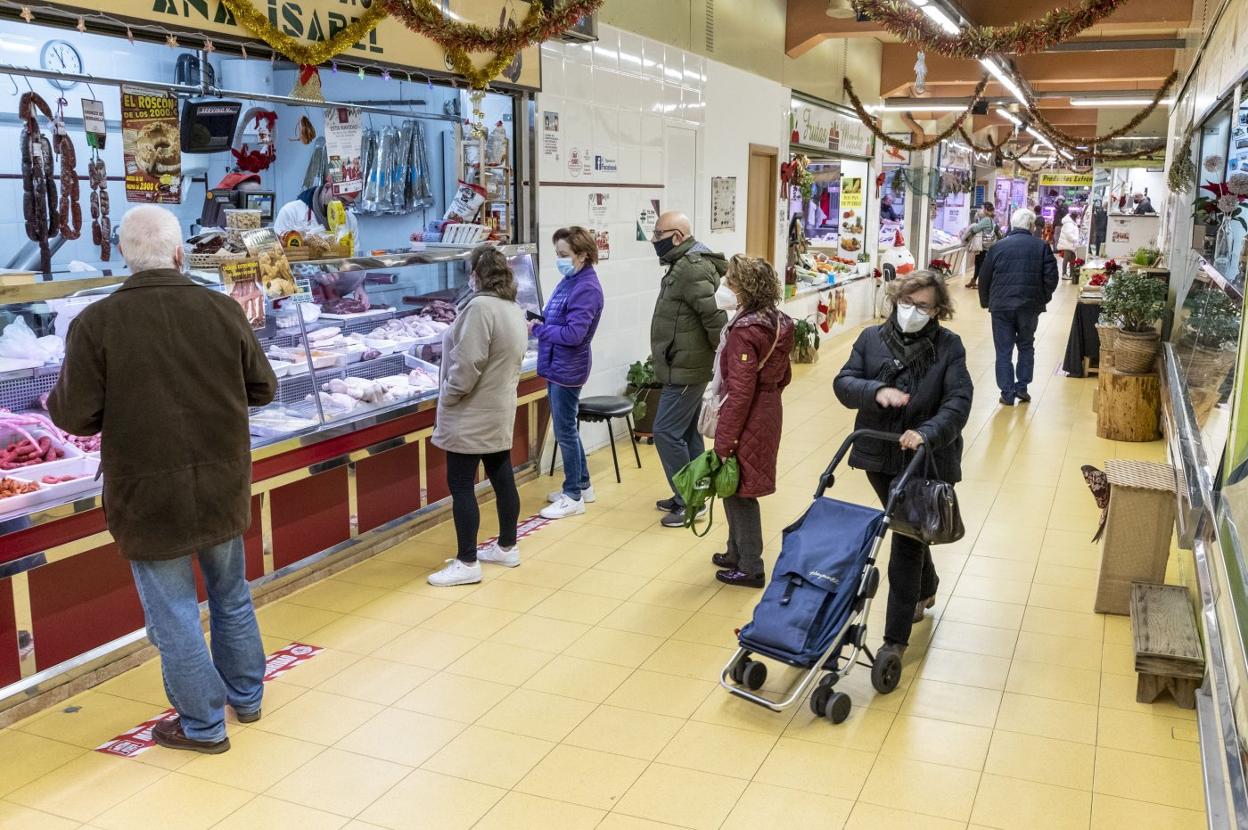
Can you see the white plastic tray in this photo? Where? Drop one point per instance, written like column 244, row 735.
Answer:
column 8, row 436
column 84, row 467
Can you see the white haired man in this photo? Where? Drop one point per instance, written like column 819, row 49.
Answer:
column 1016, row 282
column 167, row 370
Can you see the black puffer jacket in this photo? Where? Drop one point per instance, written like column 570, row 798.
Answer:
column 1019, row 273
column 940, row 403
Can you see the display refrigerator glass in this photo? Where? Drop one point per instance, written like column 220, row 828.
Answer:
column 339, row 365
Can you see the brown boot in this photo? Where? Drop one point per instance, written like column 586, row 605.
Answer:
column 923, row 605
column 169, row 734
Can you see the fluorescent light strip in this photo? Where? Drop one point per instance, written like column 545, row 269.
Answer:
column 941, row 19
column 916, row 108
column 1117, row 102
column 1003, row 79
column 1004, row 113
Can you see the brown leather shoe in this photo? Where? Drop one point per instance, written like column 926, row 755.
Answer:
column 922, row 606
column 169, row 734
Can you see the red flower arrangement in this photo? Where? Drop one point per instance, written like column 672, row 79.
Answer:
column 1078, row 263
column 941, row 265
column 1098, row 280
column 877, row 273
column 1112, row 267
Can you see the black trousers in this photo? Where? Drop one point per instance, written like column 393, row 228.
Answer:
column 461, row 474
column 911, row 574
column 979, row 263
column 745, row 534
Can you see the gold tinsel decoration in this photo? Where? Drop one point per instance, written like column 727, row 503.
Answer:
column 870, row 123
column 479, row 78
column 304, row 54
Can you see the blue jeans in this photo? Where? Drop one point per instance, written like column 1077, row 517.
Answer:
column 676, row 435
column 564, row 401
column 1010, row 330
column 199, row 685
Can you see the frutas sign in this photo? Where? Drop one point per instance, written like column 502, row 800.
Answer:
column 822, row 128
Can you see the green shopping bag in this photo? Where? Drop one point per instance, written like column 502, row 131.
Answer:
column 703, row 479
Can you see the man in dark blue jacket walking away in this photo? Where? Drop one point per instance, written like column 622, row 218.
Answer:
column 1016, row 282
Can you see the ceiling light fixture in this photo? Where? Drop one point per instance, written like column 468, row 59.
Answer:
column 1004, row 113
column 941, row 19
column 843, row 9
column 1116, row 102
column 919, row 3
column 1003, row 79
column 887, row 107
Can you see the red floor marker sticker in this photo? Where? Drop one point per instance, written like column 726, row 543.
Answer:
column 528, row 527
column 139, row 739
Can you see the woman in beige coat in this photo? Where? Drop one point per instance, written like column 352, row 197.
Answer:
column 481, row 356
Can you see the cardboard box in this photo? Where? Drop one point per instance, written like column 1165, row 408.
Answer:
column 1138, row 531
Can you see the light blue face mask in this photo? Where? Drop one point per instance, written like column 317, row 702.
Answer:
column 565, row 266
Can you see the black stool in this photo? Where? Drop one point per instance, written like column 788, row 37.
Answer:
column 604, row 408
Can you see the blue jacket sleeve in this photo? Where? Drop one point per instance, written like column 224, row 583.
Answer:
column 584, row 304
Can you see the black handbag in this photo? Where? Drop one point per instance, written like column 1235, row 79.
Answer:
column 926, row 509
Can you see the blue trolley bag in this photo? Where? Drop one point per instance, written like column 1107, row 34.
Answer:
column 814, row 583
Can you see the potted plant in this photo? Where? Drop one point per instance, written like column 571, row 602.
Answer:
column 1210, row 338
column 1211, row 214
column 941, row 267
column 1075, row 270
column 864, row 264
column 1146, row 257
column 1137, row 301
column 805, row 341
column 644, row 389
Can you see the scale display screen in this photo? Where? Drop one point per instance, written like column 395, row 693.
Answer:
column 208, row 126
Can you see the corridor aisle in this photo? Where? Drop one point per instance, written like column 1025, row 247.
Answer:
column 580, row 689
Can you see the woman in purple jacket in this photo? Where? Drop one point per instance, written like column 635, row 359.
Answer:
column 563, row 358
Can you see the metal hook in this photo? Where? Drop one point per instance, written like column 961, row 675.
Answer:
column 89, row 89
column 26, row 78
column 16, row 90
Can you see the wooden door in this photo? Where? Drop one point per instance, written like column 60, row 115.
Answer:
column 760, row 213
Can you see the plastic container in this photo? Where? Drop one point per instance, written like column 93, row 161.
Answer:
column 8, row 436
column 414, row 362
column 84, row 468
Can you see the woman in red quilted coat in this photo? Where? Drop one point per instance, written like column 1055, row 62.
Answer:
column 753, row 369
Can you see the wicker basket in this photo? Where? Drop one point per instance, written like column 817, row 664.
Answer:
column 1207, row 368
column 210, row 262
column 1109, row 337
column 1134, row 352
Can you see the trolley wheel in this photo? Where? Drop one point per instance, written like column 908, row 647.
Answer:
column 819, row 700
column 886, row 671
column 828, row 680
column 738, row 670
column 754, row 675
column 838, row 707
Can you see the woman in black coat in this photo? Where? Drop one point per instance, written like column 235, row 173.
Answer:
column 908, row 376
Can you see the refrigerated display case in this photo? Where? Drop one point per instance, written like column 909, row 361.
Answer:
column 341, row 458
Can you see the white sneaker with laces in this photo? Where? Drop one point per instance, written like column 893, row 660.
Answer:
column 587, row 495
column 564, row 508
column 456, row 573
column 495, row 553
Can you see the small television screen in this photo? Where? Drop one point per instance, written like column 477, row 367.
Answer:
column 208, row 126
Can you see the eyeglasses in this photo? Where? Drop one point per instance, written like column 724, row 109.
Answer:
column 923, row 307
column 658, row 234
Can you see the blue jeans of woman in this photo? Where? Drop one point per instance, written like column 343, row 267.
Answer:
column 564, row 401
column 197, row 683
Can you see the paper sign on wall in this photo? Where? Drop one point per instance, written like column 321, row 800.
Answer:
column 724, row 203
column 152, row 145
column 344, row 139
column 550, row 135
column 599, row 210
column 647, row 220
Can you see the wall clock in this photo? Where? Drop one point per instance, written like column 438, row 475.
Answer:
column 61, row 56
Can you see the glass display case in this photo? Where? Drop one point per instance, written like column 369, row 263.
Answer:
column 363, row 347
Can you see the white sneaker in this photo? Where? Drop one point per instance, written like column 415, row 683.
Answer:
column 564, row 508
column 495, row 553
column 587, row 495
column 456, row 573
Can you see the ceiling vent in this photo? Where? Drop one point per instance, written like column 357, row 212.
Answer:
column 710, row 26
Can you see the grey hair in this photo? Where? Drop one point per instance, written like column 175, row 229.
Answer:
column 148, row 237
column 1022, row 219
column 902, row 287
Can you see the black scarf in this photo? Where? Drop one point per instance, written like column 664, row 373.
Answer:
column 915, row 352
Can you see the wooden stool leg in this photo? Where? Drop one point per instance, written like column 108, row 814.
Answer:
column 615, row 459
column 632, row 436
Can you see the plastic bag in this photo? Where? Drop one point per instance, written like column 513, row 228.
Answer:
column 19, row 343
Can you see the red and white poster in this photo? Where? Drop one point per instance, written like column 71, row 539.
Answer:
column 344, row 142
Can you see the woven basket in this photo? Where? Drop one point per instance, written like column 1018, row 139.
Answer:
column 1108, row 335
column 210, row 262
column 1207, row 368
column 1134, row 352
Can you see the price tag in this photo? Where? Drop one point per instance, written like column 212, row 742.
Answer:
column 93, row 123
column 303, row 293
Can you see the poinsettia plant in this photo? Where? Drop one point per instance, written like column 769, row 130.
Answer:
column 1078, row 263
column 1226, row 201
column 1112, row 267
column 1098, row 280
column 942, row 266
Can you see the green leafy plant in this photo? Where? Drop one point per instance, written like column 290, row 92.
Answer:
column 1146, row 256
column 1213, row 320
column 1136, row 300
column 641, row 377
column 864, row 257
column 805, row 340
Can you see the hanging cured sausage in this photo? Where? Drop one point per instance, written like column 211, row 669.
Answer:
column 70, row 224
column 101, row 225
column 39, row 203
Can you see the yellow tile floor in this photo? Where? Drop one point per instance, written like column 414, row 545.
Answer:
column 579, row 690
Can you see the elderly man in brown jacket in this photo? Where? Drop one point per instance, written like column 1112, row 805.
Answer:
column 166, row 369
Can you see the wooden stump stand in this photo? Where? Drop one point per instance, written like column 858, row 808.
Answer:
column 1128, row 406
column 1168, row 655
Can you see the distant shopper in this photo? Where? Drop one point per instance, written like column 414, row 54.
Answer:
column 981, row 236
column 1068, row 244
column 684, row 334
column 481, row 356
column 563, row 358
column 177, row 466
column 1143, row 204
column 1017, row 281
column 1040, row 226
column 1098, row 227
column 1060, row 210
column 888, row 211
column 909, row 376
column 754, row 370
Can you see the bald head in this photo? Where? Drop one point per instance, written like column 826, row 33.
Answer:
column 672, row 229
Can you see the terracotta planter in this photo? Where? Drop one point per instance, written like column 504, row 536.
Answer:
column 1135, row 352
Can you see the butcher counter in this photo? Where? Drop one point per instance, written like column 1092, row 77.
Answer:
column 333, row 474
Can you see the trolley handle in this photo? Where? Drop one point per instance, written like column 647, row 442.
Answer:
column 829, row 477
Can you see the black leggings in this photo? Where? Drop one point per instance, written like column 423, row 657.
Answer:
column 911, row 574
column 461, row 474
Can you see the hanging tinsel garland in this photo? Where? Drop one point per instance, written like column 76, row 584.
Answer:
column 993, row 146
column 1071, row 142
column 914, row 27
column 1182, row 172
column 305, row 54
column 869, row 122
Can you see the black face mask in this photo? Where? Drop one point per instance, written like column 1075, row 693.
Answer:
column 664, row 246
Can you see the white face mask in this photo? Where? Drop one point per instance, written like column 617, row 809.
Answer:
column 910, row 319
column 725, row 299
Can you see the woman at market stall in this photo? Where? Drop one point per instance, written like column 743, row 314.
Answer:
column 481, row 356
column 563, row 337
column 1068, row 243
column 753, row 369
column 908, row 376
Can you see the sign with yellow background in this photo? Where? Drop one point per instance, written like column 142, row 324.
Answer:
column 1065, row 178
column 313, row 21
